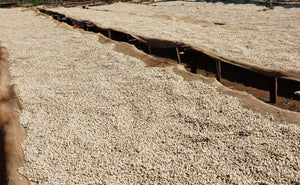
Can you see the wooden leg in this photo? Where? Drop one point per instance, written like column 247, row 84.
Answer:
column 149, row 49
column 273, row 90
column 109, row 34
column 194, row 64
column 218, row 71
column 206, row 70
column 178, row 56
column 85, row 25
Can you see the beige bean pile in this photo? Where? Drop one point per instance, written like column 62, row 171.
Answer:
column 95, row 116
column 267, row 38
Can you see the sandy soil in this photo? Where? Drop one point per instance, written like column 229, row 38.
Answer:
column 238, row 31
column 96, row 116
column 11, row 132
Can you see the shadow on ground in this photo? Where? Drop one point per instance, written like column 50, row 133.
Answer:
column 3, row 177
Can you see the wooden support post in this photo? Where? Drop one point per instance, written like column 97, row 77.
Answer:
column 206, row 70
column 109, row 34
column 194, row 64
column 89, row 27
column 178, row 56
column 273, row 90
column 149, row 49
column 85, row 27
column 218, row 70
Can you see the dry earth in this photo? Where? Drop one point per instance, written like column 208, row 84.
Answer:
column 96, row 116
column 267, row 38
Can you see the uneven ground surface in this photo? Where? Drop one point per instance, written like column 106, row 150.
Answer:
column 97, row 116
column 267, row 38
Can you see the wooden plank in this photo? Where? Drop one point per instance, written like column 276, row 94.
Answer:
column 132, row 40
column 64, row 19
column 273, row 90
column 178, row 56
column 218, row 70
